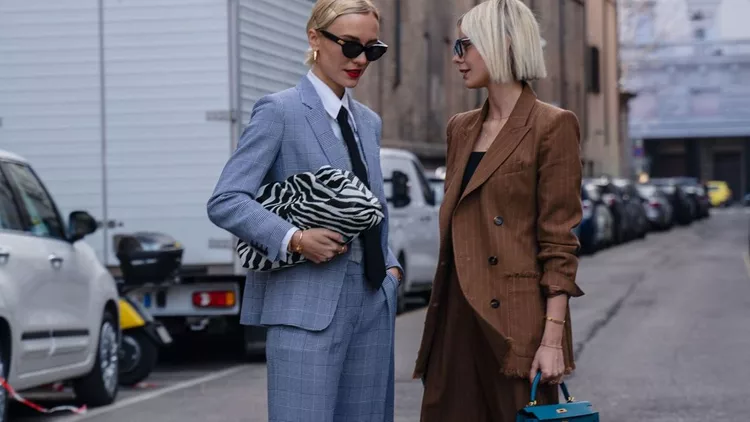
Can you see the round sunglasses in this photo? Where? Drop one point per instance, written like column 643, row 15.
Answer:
column 353, row 49
column 460, row 46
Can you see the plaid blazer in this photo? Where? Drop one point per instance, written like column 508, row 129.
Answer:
column 511, row 231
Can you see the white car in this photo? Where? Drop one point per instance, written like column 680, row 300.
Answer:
column 59, row 314
column 414, row 232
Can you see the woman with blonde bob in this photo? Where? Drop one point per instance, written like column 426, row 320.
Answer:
column 330, row 320
column 499, row 308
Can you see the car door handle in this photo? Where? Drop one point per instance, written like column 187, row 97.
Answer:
column 4, row 253
column 426, row 218
column 56, row 261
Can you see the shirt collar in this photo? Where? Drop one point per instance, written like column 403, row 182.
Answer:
column 331, row 102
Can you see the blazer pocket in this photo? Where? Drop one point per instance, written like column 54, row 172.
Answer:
column 527, row 309
column 515, row 166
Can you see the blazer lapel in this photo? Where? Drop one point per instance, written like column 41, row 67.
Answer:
column 316, row 115
column 506, row 142
column 465, row 145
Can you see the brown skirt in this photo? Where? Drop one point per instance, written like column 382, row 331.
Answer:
column 463, row 380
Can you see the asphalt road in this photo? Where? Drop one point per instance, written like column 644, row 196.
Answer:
column 662, row 334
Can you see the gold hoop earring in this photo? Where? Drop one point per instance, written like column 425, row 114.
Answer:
column 315, row 55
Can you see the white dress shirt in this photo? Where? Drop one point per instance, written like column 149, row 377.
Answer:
column 332, row 105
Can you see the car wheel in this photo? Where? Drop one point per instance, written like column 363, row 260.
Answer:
column 99, row 387
column 141, row 355
column 3, row 394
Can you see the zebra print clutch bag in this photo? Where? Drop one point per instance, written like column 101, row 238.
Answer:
column 329, row 198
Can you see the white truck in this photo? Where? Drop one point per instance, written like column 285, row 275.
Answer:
column 131, row 108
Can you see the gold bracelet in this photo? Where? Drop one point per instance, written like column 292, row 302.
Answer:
column 298, row 249
column 551, row 346
column 556, row 321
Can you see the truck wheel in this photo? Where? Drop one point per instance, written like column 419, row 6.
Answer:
column 3, row 394
column 138, row 357
column 99, row 387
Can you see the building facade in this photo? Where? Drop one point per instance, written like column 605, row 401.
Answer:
column 604, row 142
column 692, row 109
column 416, row 88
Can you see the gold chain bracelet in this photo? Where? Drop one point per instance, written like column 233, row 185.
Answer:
column 298, row 249
column 556, row 321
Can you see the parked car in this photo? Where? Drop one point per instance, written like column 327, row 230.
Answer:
column 658, row 209
column 596, row 230
column 635, row 207
column 683, row 208
column 438, row 185
column 719, row 193
column 698, row 194
column 58, row 304
column 612, row 197
column 413, row 227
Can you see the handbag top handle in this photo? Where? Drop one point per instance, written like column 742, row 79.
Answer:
column 534, row 386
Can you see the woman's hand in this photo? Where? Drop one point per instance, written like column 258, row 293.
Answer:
column 318, row 245
column 550, row 361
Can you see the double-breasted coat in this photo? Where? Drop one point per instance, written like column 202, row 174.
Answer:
column 509, row 235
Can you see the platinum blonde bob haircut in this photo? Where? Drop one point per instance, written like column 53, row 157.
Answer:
column 506, row 34
column 326, row 11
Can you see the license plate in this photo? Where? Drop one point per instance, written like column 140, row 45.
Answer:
column 163, row 334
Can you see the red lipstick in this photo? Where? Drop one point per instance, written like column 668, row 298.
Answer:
column 354, row 74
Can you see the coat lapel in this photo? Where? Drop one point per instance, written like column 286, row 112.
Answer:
column 507, row 140
column 316, row 115
column 464, row 145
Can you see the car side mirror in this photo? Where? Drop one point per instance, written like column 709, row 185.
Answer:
column 400, row 182
column 80, row 225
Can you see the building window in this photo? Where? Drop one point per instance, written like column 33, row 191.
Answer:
column 593, row 73
column 699, row 34
column 397, row 42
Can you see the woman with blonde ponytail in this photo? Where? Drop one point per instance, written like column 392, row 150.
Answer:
column 331, row 319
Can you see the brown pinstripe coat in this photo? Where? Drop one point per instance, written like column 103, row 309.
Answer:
column 510, row 232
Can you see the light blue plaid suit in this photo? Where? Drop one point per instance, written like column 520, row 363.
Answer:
column 330, row 337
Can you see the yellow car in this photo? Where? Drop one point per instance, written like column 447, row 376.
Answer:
column 719, row 193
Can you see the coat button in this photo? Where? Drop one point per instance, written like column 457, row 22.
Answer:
column 495, row 303
column 492, row 260
column 498, row 221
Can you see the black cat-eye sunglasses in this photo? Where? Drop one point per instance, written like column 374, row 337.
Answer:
column 459, row 47
column 353, row 49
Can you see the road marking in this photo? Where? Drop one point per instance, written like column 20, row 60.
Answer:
column 148, row 396
column 746, row 258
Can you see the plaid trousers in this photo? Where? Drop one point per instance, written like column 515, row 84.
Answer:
column 344, row 372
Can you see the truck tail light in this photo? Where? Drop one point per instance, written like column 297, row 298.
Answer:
column 214, row 299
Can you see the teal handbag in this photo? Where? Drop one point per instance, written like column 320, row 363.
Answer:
column 571, row 411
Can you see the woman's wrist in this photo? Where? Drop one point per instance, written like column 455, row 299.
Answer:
column 553, row 334
column 295, row 244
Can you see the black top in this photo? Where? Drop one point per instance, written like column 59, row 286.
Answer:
column 471, row 167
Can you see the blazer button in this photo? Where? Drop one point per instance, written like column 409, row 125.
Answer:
column 492, row 260
column 495, row 303
column 498, row 221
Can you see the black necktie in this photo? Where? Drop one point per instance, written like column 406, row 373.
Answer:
column 374, row 260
